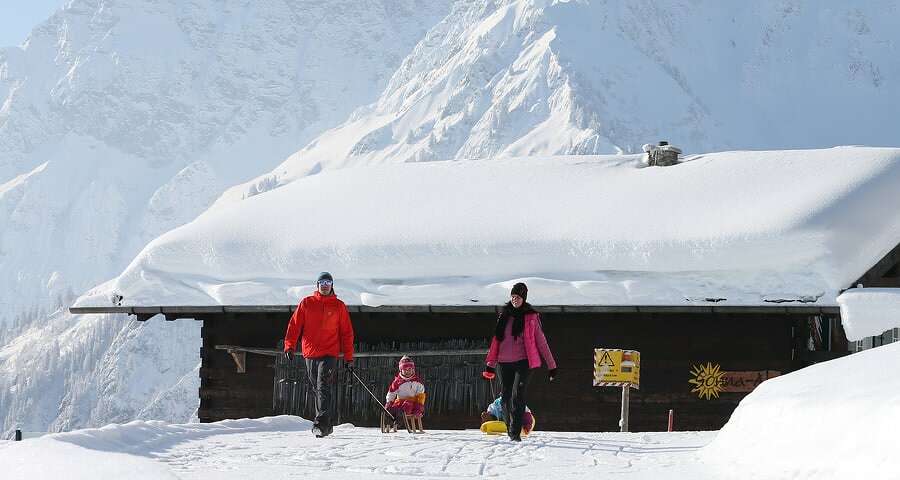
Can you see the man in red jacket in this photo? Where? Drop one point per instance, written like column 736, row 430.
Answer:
column 322, row 321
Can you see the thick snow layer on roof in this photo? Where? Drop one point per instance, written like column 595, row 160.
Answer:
column 866, row 312
column 747, row 227
column 836, row 419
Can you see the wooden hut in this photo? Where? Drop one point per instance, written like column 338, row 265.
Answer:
column 778, row 233
column 240, row 375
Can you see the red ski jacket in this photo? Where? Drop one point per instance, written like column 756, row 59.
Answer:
column 323, row 324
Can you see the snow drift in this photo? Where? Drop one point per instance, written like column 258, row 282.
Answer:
column 836, row 419
column 122, row 451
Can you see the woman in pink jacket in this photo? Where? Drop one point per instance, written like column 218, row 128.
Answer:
column 518, row 346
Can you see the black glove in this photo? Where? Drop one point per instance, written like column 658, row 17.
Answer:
column 552, row 374
column 288, row 356
column 349, row 366
column 489, row 372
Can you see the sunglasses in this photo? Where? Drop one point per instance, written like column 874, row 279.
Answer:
column 326, row 282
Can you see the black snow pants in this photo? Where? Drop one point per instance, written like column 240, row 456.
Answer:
column 514, row 378
column 321, row 376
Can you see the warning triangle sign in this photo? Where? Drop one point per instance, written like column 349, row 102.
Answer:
column 606, row 360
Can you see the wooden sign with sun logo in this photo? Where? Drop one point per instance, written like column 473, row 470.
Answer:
column 709, row 380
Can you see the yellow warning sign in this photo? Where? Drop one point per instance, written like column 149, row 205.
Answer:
column 606, row 360
column 614, row 367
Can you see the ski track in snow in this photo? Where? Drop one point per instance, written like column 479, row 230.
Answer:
column 366, row 453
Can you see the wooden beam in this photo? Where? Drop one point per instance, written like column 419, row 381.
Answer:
column 550, row 308
column 674, row 309
column 259, row 308
column 395, row 309
column 463, row 308
column 597, row 309
column 193, row 309
column 240, row 359
column 274, row 352
column 94, row 310
column 871, row 277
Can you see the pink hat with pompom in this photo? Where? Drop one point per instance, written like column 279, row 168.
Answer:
column 406, row 362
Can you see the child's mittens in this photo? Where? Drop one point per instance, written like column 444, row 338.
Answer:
column 489, row 372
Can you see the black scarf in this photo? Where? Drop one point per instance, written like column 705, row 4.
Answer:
column 518, row 316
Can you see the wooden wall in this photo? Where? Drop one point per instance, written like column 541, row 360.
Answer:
column 670, row 345
column 223, row 392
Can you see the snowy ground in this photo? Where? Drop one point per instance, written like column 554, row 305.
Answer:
column 282, row 447
column 834, row 420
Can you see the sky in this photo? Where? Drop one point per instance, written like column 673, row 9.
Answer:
column 18, row 17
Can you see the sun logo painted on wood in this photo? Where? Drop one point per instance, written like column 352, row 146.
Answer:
column 708, row 380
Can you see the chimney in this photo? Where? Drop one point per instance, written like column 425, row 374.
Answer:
column 661, row 155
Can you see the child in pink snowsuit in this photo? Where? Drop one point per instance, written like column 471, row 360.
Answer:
column 406, row 394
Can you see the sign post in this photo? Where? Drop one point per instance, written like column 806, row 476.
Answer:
column 623, row 422
column 614, row 367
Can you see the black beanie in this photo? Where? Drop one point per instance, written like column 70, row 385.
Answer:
column 521, row 290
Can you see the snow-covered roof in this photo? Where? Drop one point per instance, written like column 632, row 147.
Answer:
column 867, row 312
column 730, row 228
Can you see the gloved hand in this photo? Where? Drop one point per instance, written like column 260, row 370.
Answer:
column 552, row 374
column 349, row 366
column 288, row 356
column 489, row 372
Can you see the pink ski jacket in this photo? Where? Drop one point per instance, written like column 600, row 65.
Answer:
column 535, row 344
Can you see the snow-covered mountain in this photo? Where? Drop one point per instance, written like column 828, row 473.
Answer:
column 122, row 119
column 63, row 372
column 545, row 77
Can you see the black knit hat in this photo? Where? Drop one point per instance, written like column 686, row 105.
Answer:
column 521, row 290
column 324, row 276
